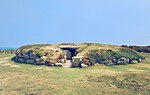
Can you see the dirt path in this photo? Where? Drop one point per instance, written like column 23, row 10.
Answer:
column 6, row 62
column 67, row 64
column 2, row 60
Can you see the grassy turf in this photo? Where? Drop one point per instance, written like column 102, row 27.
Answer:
column 25, row 79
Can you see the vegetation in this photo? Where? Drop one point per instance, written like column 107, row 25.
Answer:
column 99, row 53
column 39, row 49
column 95, row 53
column 34, row 46
column 26, row 79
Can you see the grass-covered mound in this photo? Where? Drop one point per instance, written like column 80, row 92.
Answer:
column 108, row 54
column 47, row 54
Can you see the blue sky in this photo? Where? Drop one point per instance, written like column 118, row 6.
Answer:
column 57, row 21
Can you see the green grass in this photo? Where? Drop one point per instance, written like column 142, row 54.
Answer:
column 26, row 79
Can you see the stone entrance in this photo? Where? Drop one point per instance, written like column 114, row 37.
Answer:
column 70, row 51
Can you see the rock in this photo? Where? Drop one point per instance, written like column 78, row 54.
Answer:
column 67, row 55
column 33, row 55
column 44, row 58
column 107, row 62
column 21, row 60
column 134, row 61
column 110, row 64
column 39, row 61
column 19, row 55
column 143, row 58
column 25, row 56
column 63, row 60
column 76, row 62
column 59, row 61
column 114, row 60
column 84, row 65
column 139, row 60
column 30, row 61
column 16, row 58
column 122, row 63
column 124, row 59
column 102, row 62
column 58, row 64
column 97, row 64
column 86, row 61
column 49, row 63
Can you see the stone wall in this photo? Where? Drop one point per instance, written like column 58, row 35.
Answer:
column 121, row 61
column 34, row 58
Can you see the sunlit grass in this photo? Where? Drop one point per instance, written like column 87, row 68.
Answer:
column 26, row 79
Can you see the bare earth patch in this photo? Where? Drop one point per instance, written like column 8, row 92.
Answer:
column 136, row 70
column 42, row 68
column 104, row 72
column 4, row 58
column 143, row 65
column 10, row 65
column 2, row 61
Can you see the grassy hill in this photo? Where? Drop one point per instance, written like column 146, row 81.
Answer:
column 91, row 54
column 26, row 79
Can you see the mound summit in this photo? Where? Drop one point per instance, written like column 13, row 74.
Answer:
column 76, row 55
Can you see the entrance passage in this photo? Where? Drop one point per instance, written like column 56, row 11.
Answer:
column 69, row 52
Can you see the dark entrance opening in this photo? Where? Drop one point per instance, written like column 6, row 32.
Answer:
column 70, row 52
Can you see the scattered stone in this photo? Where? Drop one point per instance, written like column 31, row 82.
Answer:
column 114, row 60
column 25, row 56
column 134, row 61
column 86, row 61
column 76, row 62
column 30, row 61
column 40, row 62
column 58, row 64
column 44, row 58
column 107, row 62
column 122, row 63
column 97, row 64
column 84, row 65
column 21, row 60
column 33, row 55
column 139, row 60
